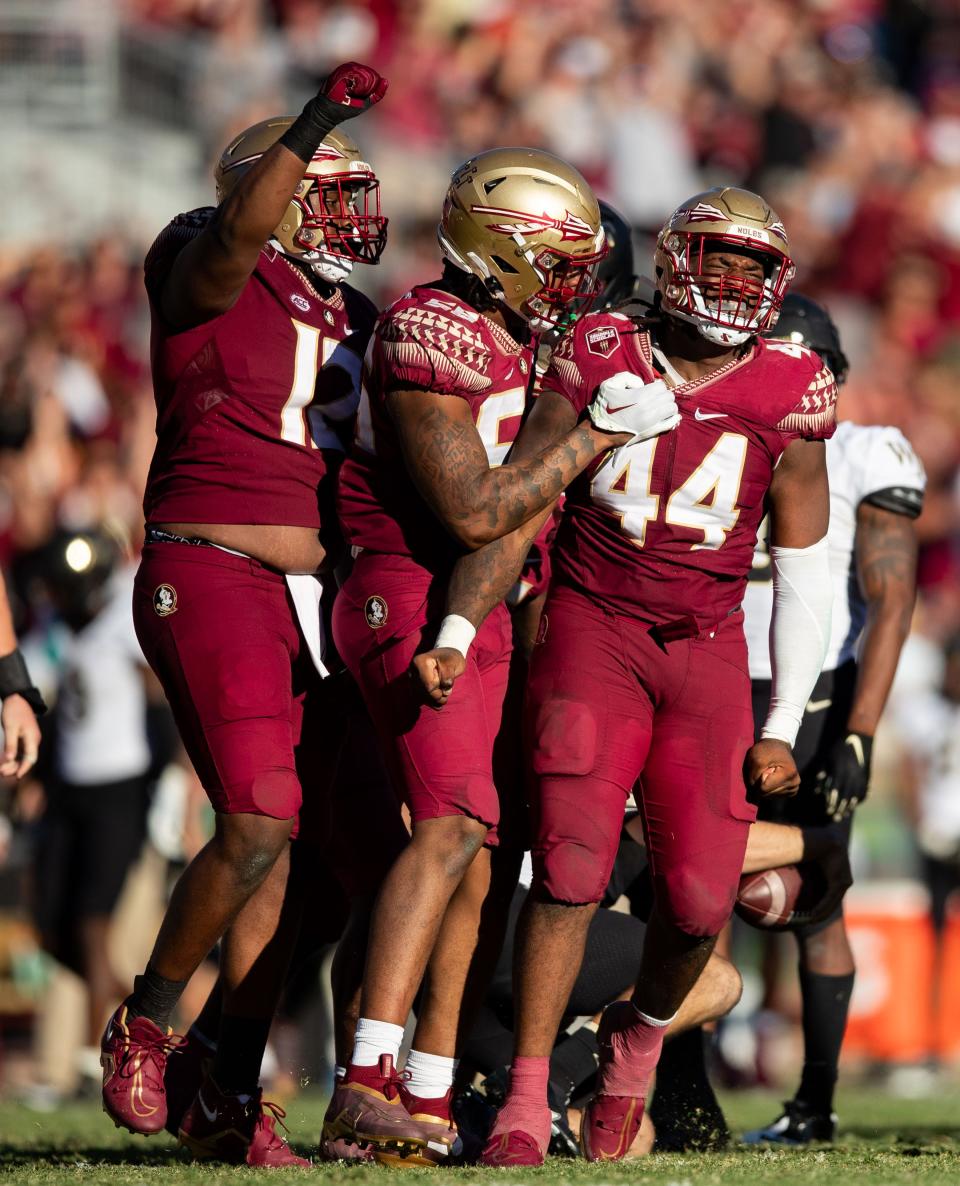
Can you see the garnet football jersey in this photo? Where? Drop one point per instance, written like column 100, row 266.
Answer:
column 432, row 340
column 233, row 439
column 665, row 528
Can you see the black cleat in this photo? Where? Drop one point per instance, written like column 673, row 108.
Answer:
column 562, row 1141
column 688, row 1119
column 797, row 1125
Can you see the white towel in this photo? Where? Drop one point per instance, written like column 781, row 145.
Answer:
column 306, row 592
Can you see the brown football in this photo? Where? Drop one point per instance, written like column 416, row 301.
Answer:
column 778, row 899
column 769, row 899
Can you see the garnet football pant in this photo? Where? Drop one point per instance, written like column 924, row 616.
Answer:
column 442, row 762
column 608, row 704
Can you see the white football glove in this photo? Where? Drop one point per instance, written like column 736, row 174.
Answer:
column 624, row 403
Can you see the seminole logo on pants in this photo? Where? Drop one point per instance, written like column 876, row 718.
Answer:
column 375, row 611
column 165, row 600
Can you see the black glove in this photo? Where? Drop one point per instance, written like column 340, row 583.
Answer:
column 844, row 778
column 349, row 91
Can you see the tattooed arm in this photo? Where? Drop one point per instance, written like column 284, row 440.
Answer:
column 482, row 579
column 446, row 459
column 886, row 556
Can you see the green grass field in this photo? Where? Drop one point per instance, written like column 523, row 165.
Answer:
column 883, row 1141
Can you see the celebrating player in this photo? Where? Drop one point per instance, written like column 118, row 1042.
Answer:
column 876, row 491
column 248, row 302
column 446, row 388
column 641, row 665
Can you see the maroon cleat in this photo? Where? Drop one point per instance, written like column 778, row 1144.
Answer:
column 223, row 1127
column 508, row 1150
column 187, row 1070
column 611, row 1121
column 134, row 1055
column 366, row 1110
column 436, row 1116
column 609, row 1127
column 339, row 1148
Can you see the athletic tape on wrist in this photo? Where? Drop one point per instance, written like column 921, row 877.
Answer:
column 456, row 632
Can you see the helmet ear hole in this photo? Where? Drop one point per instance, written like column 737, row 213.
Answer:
column 504, row 266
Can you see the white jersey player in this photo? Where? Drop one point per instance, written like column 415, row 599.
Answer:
column 876, row 491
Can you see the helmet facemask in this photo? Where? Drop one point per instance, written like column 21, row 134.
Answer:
column 727, row 308
column 570, row 286
column 340, row 224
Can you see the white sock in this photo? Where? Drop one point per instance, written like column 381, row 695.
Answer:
column 374, row 1038
column 430, row 1076
column 339, row 1072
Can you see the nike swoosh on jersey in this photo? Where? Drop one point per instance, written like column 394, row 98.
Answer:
column 211, row 1115
column 698, row 415
column 818, row 705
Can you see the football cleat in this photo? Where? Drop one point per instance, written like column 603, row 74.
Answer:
column 610, row 1122
column 133, row 1054
column 186, row 1072
column 366, row 1110
column 242, row 1131
column 609, row 1127
column 797, row 1125
column 474, row 1116
column 509, row 1150
column 688, row 1121
column 339, row 1148
column 435, row 1115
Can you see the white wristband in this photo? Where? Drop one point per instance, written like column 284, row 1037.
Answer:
column 456, row 632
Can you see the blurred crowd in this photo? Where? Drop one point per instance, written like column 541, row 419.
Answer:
column 845, row 114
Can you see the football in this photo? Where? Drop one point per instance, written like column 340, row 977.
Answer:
column 772, row 899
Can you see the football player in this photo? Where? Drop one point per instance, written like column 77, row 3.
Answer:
column 446, row 385
column 248, row 302
column 641, row 665
column 876, row 493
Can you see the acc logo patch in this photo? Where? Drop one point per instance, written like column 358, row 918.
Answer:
column 300, row 301
column 165, row 600
column 603, row 341
column 375, row 611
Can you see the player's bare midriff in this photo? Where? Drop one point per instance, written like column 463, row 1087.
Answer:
column 289, row 549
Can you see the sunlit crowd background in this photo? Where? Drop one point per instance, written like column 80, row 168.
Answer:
column 845, row 114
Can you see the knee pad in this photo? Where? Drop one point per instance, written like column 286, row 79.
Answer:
column 693, row 900
column 569, row 872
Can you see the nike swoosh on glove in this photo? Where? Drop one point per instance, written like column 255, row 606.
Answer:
column 624, row 403
column 844, row 778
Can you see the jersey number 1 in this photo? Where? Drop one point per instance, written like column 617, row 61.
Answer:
column 307, row 360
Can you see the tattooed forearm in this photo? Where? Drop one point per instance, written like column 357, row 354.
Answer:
column 482, row 579
column 886, row 557
column 476, row 503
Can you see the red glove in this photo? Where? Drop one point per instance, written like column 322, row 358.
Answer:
column 355, row 86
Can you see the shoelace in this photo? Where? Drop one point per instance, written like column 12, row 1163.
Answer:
column 154, row 1052
column 392, row 1082
column 269, row 1123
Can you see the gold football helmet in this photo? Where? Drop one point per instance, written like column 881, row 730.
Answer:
column 333, row 219
column 528, row 225
column 725, row 307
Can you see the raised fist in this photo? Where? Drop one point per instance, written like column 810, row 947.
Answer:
column 624, row 403
column 354, row 86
